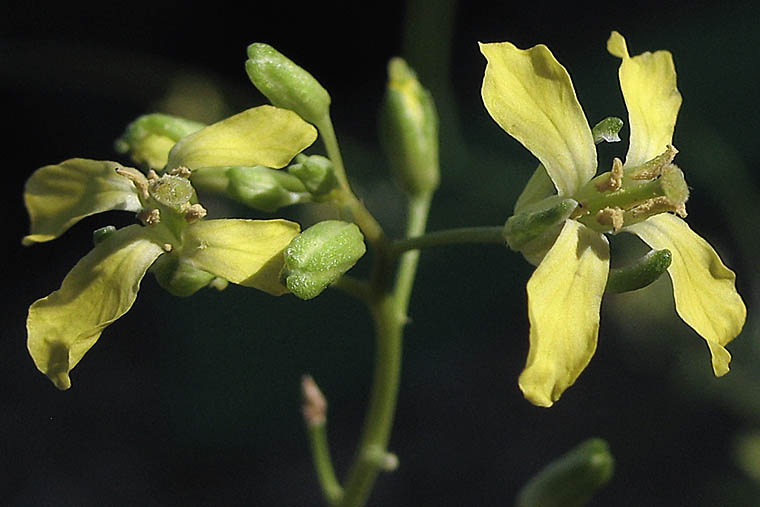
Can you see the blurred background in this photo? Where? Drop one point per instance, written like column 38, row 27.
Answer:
column 196, row 401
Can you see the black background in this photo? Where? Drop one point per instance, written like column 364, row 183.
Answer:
column 195, row 401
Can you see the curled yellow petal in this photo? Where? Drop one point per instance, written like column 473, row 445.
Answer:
column 58, row 196
column 246, row 252
column 704, row 289
column 263, row 135
column 530, row 95
column 564, row 298
column 648, row 82
column 102, row 287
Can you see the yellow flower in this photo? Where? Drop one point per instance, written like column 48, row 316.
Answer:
column 530, row 95
column 185, row 251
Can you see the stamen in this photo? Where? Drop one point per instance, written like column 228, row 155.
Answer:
column 611, row 217
column 653, row 168
column 149, row 217
column 615, row 179
column 194, row 213
column 181, row 171
column 136, row 177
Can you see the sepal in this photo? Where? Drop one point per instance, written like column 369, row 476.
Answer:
column 572, row 479
column 149, row 138
column 535, row 221
column 316, row 173
column 179, row 278
column 264, row 188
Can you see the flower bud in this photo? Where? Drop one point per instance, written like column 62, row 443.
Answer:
column 315, row 172
column 321, row 255
column 179, row 278
column 150, row 137
column 572, row 479
column 285, row 84
column 409, row 130
column 265, row 189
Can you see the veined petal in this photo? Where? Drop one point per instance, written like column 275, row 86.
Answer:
column 246, row 252
column 101, row 288
column 530, row 95
column 263, row 135
column 564, row 298
column 58, row 196
column 648, row 82
column 703, row 287
column 539, row 187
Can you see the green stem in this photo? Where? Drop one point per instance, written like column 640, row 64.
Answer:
column 346, row 198
column 320, row 451
column 389, row 311
column 491, row 234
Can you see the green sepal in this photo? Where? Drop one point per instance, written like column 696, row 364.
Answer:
column 315, row 172
column 641, row 273
column 536, row 220
column 103, row 233
column 570, row 480
column 285, row 84
column 179, row 278
column 321, row 255
column 58, row 196
column 409, row 130
column 149, row 138
column 265, row 189
column 607, row 130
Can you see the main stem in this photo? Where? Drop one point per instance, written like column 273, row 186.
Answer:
column 389, row 311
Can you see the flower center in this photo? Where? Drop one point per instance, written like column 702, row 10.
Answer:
column 623, row 197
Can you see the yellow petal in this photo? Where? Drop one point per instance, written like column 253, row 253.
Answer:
column 539, row 187
column 530, row 95
column 262, row 135
column 703, row 287
column 564, row 297
column 97, row 291
column 58, row 196
column 648, row 82
column 246, row 252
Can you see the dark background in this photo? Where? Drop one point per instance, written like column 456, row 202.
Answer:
column 196, row 401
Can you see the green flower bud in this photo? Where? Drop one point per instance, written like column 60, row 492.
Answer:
column 571, row 480
column 285, row 84
column 264, row 188
column 179, row 278
column 100, row 235
column 409, row 130
column 315, row 172
column 150, row 137
column 525, row 227
column 321, row 255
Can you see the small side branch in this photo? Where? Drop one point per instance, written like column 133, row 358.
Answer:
column 315, row 415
